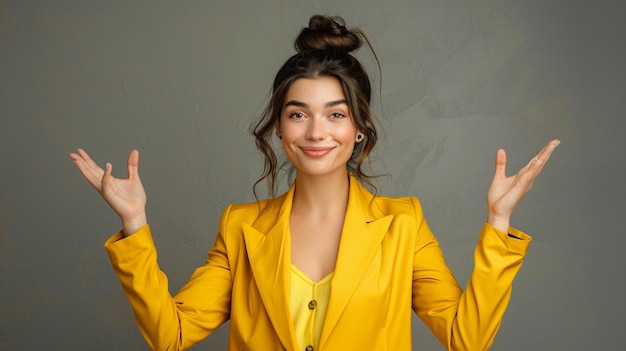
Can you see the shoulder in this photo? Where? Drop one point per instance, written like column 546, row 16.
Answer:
column 262, row 212
column 382, row 205
column 246, row 212
column 407, row 219
column 397, row 206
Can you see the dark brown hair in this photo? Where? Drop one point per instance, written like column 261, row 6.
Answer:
column 323, row 49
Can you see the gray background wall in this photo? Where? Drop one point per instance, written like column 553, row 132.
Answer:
column 182, row 81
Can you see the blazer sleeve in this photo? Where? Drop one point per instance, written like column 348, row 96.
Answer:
column 166, row 322
column 466, row 320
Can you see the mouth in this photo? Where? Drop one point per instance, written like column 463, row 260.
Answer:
column 316, row 151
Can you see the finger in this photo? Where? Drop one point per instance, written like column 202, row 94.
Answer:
column 87, row 173
column 544, row 155
column 91, row 165
column 87, row 159
column 133, row 164
column 107, row 178
column 76, row 157
column 500, row 171
column 94, row 177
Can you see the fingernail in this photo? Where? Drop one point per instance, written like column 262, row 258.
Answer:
column 557, row 144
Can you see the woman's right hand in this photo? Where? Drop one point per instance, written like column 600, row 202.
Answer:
column 125, row 196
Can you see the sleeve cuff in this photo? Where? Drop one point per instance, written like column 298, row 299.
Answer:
column 515, row 240
column 121, row 248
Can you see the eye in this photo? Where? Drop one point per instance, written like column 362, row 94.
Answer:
column 296, row 115
column 337, row 115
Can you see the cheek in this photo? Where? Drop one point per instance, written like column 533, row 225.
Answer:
column 346, row 135
column 289, row 133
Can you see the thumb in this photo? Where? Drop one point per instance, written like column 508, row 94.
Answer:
column 500, row 169
column 133, row 164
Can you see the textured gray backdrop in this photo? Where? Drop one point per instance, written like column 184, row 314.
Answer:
column 181, row 81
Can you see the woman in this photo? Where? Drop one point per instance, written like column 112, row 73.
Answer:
column 327, row 265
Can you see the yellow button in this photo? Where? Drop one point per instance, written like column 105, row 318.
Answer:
column 312, row 304
column 309, row 348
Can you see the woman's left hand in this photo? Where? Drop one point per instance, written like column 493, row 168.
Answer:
column 505, row 193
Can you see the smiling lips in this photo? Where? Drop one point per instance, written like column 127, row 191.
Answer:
column 316, row 151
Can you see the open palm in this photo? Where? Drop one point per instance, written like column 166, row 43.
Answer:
column 125, row 196
column 505, row 193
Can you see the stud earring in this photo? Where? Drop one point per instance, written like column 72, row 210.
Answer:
column 359, row 137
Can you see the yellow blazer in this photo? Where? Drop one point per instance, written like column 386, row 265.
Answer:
column 388, row 264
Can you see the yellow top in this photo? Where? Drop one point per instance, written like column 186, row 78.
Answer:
column 309, row 301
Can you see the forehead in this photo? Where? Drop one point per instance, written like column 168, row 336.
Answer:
column 315, row 90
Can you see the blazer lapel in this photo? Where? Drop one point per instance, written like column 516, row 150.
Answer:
column 269, row 251
column 363, row 231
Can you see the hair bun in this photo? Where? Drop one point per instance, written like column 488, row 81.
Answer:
column 326, row 33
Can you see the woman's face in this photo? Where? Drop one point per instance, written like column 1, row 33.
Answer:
column 316, row 126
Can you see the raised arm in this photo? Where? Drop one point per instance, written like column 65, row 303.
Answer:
column 166, row 322
column 470, row 319
column 125, row 196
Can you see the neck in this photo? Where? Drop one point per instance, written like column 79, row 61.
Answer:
column 321, row 195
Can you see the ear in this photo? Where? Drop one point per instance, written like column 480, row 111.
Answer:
column 277, row 130
column 359, row 137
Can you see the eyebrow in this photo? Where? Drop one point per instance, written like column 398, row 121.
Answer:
column 328, row 104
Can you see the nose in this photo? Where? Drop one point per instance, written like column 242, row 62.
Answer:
column 317, row 129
